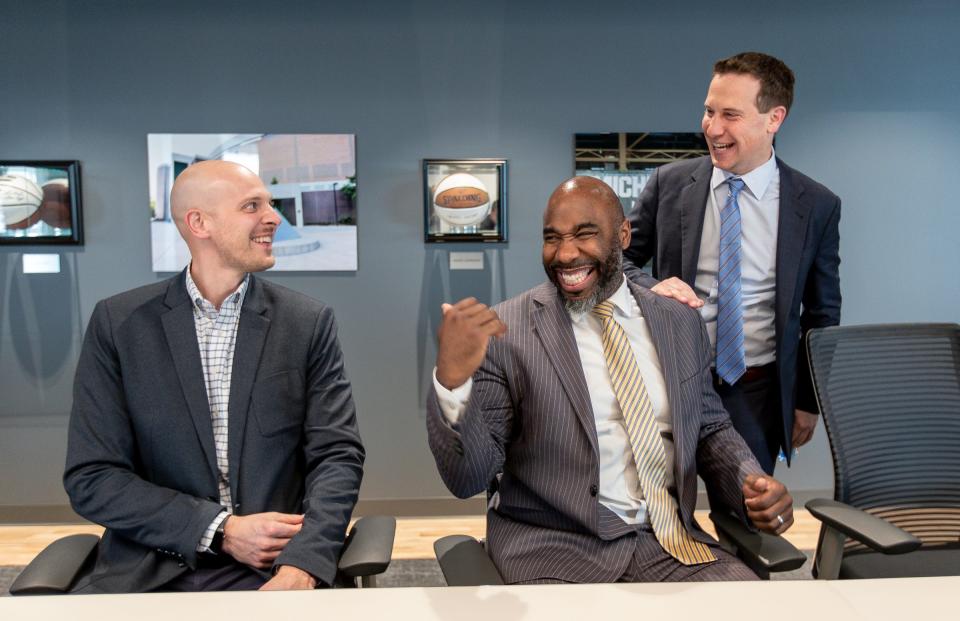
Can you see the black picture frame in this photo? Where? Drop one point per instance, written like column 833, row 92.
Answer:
column 627, row 160
column 57, row 218
column 474, row 221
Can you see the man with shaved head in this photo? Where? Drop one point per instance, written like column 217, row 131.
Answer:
column 213, row 431
column 587, row 404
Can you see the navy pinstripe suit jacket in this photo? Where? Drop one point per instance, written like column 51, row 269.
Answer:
column 529, row 417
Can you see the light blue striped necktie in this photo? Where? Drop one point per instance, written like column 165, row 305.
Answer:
column 731, row 360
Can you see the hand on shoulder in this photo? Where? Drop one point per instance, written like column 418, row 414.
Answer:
column 678, row 290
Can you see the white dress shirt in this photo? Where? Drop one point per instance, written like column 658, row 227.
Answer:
column 217, row 338
column 619, row 484
column 759, row 216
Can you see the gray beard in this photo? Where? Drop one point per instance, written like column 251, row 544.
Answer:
column 611, row 278
column 581, row 307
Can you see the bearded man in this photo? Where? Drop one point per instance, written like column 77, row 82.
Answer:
column 588, row 402
column 213, row 431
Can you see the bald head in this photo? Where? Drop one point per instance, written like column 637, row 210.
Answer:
column 588, row 190
column 224, row 213
column 203, row 184
column 584, row 234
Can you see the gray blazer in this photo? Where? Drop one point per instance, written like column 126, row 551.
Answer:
column 140, row 452
column 667, row 224
column 529, row 417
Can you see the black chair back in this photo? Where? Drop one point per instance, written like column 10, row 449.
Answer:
column 890, row 400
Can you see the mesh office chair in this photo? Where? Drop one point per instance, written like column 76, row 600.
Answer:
column 366, row 554
column 890, row 400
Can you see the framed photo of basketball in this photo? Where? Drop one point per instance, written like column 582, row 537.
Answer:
column 40, row 202
column 465, row 200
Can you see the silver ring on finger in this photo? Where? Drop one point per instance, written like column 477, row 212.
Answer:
column 780, row 519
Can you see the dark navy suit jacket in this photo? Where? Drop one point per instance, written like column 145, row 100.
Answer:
column 667, row 223
column 140, row 451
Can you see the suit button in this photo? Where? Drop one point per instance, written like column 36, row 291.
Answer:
column 594, row 489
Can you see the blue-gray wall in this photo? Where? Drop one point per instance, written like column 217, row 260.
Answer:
column 876, row 119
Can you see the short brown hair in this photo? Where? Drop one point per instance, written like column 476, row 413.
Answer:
column 776, row 79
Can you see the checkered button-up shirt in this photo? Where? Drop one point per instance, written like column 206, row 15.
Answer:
column 217, row 337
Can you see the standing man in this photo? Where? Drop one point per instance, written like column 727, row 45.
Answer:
column 593, row 409
column 755, row 245
column 213, row 431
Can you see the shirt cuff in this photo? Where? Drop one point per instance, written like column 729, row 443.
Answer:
column 207, row 539
column 452, row 402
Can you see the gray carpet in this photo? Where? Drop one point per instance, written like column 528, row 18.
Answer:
column 7, row 574
column 412, row 573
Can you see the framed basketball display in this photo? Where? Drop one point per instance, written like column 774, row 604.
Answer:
column 40, row 202
column 465, row 200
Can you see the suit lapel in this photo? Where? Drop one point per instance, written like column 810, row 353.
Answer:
column 693, row 205
column 660, row 323
column 251, row 335
column 552, row 325
column 791, row 236
column 181, row 333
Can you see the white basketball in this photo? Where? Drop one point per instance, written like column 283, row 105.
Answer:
column 461, row 200
column 19, row 199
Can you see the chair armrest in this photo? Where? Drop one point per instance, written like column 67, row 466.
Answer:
column 464, row 562
column 759, row 550
column 869, row 530
column 56, row 567
column 369, row 547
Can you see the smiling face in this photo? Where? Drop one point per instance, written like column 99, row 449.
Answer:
column 224, row 213
column 584, row 234
column 739, row 136
column 242, row 224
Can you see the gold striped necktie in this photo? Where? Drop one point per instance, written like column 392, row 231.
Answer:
column 641, row 426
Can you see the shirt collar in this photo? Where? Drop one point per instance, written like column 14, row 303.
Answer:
column 757, row 180
column 623, row 301
column 234, row 300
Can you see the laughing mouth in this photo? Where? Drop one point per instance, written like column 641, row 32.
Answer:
column 263, row 239
column 721, row 146
column 574, row 277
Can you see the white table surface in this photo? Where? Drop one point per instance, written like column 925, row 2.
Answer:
column 909, row 599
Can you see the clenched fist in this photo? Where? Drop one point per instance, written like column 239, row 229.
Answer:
column 464, row 334
column 769, row 504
